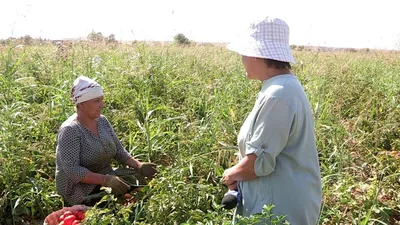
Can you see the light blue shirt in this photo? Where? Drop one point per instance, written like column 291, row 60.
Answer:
column 280, row 131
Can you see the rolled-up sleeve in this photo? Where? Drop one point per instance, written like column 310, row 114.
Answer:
column 121, row 154
column 68, row 150
column 269, row 134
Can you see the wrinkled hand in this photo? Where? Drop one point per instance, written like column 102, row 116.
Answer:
column 148, row 169
column 117, row 185
column 227, row 178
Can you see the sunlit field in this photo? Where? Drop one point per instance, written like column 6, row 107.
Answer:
column 181, row 107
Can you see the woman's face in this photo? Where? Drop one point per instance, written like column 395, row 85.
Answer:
column 92, row 108
column 250, row 65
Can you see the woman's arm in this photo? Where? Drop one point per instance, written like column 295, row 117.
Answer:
column 122, row 155
column 244, row 170
column 270, row 134
column 68, row 153
column 132, row 162
column 93, row 178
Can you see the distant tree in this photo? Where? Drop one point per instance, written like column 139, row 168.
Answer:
column 95, row 36
column 10, row 40
column 111, row 39
column 27, row 40
column 181, row 39
column 351, row 50
column 300, row 48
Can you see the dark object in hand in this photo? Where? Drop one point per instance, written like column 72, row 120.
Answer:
column 230, row 200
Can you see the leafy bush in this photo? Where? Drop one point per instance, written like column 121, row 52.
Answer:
column 96, row 36
column 181, row 39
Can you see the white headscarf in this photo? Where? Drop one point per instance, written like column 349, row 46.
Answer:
column 85, row 89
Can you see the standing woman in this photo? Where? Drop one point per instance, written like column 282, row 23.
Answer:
column 86, row 145
column 278, row 160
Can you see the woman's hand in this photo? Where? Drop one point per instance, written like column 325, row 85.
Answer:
column 244, row 170
column 147, row 169
column 227, row 178
column 117, row 185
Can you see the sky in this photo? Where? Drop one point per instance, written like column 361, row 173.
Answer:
column 332, row 23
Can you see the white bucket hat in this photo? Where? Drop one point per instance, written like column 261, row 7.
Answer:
column 265, row 38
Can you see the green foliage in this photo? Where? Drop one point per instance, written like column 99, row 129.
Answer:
column 96, row 36
column 111, row 38
column 265, row 217
column 182, row 196
column 27, row 40
column 182, row 108
column 109, row 211
column 181, row 39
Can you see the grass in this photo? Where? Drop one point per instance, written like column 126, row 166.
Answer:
column 182, row 107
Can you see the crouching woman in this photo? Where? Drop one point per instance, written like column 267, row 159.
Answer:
column 86, row 146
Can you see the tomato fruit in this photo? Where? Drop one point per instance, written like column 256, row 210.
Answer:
column 127, row 196
column 61, row 218
column 67, row 213
column 69, row 219
column 76, row 222
column 80, row 215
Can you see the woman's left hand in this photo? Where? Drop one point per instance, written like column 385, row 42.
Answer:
column 147, row 169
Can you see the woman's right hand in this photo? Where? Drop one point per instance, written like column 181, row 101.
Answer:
column 117, row 185
column 227, row 178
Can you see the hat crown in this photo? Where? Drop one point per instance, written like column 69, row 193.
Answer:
column 264, row 37
column 270, row 29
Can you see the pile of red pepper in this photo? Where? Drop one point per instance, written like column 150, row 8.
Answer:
column 70, row 218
